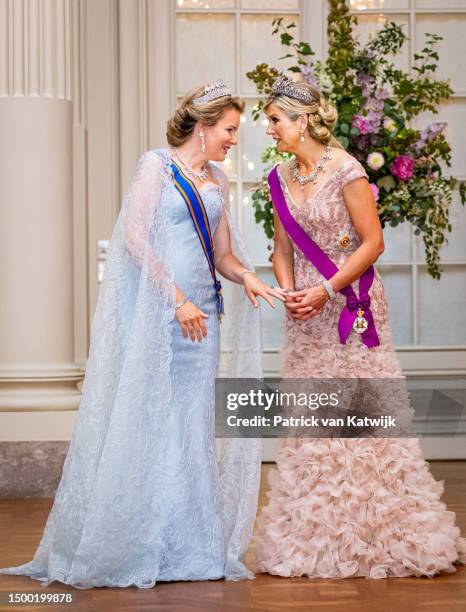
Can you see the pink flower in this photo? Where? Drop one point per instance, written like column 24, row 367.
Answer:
column 375, row 191
column 360, row 122
column 402, row 167
column 309, row 75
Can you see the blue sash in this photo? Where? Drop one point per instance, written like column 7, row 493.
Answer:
column 188, row 191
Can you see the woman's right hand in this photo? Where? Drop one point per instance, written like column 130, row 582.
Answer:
column 255, row 287
column 191, row 320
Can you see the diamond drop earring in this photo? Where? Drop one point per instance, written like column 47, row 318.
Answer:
column 301, row 135
column 202, row 138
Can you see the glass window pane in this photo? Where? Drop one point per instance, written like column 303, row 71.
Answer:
column 233, row 201
column 272, row 318
column 205, row 49
column 452, row 65
column 259, row 245
column 229, row 165
column 454, row 112
column 442, row 316
column 397, row 282
column 258, row 46
column 456, row 247
column 362, row 5
column 397, row 243
column 441, row 4
column 270, row 4
column 455, row 250
column 369, row 25
column 254, row 141
column 205, row 4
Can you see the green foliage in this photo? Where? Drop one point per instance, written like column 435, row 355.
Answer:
column 376, row 103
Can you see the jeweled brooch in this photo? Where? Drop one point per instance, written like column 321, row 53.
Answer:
column 344, row 241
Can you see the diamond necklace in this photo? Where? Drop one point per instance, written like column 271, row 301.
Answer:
column 197, row 176
column 302, row 178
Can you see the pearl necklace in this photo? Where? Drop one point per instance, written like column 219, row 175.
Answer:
column 197, row 176
column 302, row 178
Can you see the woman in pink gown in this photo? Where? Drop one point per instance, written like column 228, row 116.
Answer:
column 341, row 507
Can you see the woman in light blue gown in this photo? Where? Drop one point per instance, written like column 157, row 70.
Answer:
column 145, row 496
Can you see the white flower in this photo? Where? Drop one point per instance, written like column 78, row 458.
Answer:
column 375, row 160
column 326, row 85
column 389, row 124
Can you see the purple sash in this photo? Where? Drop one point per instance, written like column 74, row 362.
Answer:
column 325, row 266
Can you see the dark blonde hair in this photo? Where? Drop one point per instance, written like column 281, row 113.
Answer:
column 187, row 115
column 322, row 116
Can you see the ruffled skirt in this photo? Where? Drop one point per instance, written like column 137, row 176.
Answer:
column 355, row 507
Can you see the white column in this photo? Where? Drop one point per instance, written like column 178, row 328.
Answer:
column 132, row 53
column 37, row 314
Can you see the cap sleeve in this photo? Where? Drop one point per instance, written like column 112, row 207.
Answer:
column 352, row 171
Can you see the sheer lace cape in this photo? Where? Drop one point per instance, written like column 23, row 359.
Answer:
column 105, row 514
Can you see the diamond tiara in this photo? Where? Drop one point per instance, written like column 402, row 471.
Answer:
column 287, row 87
column 214, row 90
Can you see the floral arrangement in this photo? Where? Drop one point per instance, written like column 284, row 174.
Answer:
column 376, row 103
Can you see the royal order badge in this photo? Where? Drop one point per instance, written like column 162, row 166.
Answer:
column 360, row 323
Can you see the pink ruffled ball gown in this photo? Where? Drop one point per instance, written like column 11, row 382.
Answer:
column 349, row 507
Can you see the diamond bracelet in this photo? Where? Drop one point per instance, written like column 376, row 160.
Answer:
column 328, row 287
column 180, row 304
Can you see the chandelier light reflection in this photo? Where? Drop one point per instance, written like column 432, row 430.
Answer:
column 251, row 165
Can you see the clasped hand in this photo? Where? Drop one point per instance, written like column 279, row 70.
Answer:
column 305, row 304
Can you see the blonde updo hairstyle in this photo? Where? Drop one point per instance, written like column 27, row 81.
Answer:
column 181, row 126
column 322, row 116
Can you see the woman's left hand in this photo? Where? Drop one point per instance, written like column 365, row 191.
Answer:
column 307, row 303
column 254, row 287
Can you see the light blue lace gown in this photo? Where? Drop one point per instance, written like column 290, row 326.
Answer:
column 193, row 536
column 118, row 520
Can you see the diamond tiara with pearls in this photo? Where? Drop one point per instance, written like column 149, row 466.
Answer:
column 287, row 87
column 214, row 90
